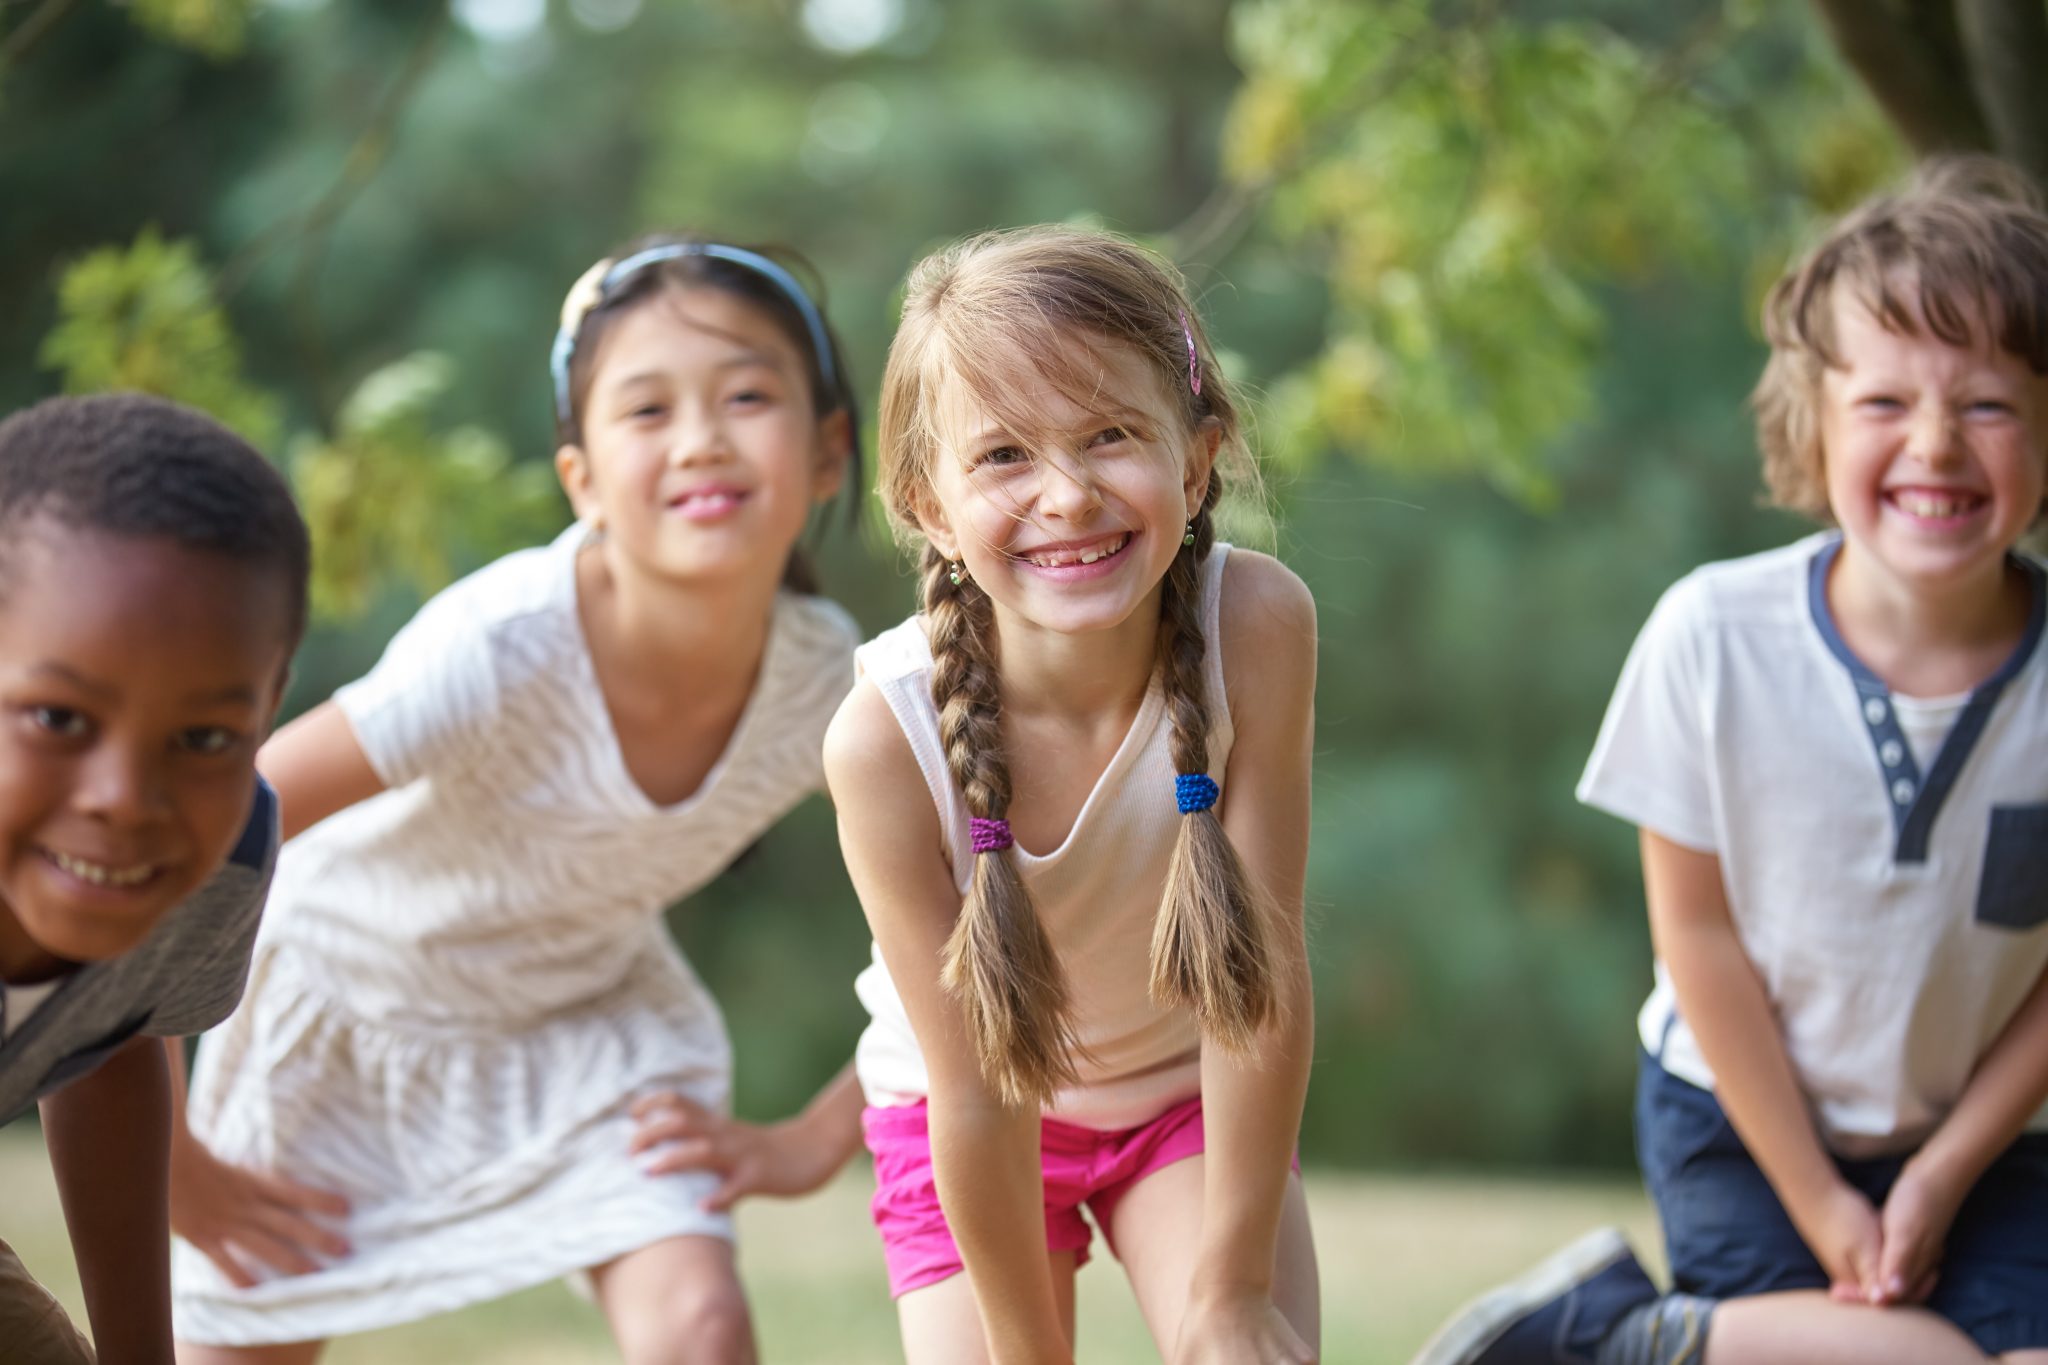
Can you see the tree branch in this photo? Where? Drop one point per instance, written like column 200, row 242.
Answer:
column 1908, row 59
column 32, row 31
column 2007, row 44
column 372, row 148
column 1216, row 225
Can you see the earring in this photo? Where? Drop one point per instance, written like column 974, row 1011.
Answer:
column 958, row 573
column 1189, row 538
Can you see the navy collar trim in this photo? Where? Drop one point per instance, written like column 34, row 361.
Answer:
column 1915, row 800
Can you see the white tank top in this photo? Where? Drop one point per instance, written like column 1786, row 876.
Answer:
column 1097, row 894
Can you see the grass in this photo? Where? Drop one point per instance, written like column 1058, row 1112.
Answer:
column 1397, row 1254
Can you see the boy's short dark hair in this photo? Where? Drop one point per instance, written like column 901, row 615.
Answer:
column 1967, row 234
column 134, row 465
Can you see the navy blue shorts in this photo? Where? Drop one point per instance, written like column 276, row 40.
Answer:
column 1728, row 1236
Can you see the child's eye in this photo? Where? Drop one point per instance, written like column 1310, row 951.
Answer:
column 1000, row 456
column 61, row 721
column 1881, row 403
column 750, row 397
column 1990, row 407
column 1109, row 436
column 207, row 739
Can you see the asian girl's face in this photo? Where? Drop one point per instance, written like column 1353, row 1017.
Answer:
column 702, row 452
column 1070, row 526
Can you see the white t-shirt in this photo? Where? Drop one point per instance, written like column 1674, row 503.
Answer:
column 1896, row 913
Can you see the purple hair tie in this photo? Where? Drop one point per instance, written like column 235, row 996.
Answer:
column 989, row 836
column 1194, row 364
column 1194, row 792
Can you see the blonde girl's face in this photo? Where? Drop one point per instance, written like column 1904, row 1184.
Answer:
column 702, row 453
column 1070, row 526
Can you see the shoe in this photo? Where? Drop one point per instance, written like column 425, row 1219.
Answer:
column 1559, row 1313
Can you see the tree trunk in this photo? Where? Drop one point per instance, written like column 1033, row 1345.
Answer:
column 2007, row 44
column 1953, row 75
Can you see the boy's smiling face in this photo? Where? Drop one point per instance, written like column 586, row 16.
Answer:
column 137, row 678
column 1935, row 456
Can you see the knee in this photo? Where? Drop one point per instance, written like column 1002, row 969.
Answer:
column 698, row 1324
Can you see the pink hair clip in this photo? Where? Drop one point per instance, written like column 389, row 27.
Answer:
column 1194, row 363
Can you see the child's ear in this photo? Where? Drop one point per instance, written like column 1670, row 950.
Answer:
column 572, row 467
column 1201, row 463
column 931, row 519
column 835, row 451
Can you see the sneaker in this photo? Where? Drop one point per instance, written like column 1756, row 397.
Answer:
column 1559, row 1312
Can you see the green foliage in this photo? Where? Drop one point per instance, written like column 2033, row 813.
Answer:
column 1470, row 188
column 1451, row 244
column 145, row 319
column 217, row 28
column 391, row 499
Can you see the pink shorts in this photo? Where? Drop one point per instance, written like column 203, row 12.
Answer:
column 1082, row 1166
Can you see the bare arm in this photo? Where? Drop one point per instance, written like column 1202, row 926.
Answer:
column 317, row 767
column 1251, row 1104
column 1724, row 1002
column 792, row 1157
column 109, row 1138
column 984, row 1153
column 2007, row 1089
column 247, row 1220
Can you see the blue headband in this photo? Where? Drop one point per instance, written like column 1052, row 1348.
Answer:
column 774, row 273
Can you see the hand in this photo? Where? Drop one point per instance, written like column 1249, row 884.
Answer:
column 243, row 1219
column 1842, row 1230
column 788, row 1158
column 1916, row 1218
column 1241, row 1327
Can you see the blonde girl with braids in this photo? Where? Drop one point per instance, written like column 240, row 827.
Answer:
column 1073, row 795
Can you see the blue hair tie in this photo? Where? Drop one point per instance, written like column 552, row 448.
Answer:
column 772, row 271
column 1195, row 792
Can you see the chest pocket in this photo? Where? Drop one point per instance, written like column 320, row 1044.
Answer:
column 87, row 1060
column 2014, row 891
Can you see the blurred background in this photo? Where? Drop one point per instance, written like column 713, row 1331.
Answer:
column 1490, row 267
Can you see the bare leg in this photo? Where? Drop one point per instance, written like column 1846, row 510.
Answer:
column 1157, row 1227
column 677, row 1302
column 942, row 1323
column 291, row 1353
column 1806, row 1328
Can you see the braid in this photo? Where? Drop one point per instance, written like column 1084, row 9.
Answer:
column 1212, row 948
column 998, row 962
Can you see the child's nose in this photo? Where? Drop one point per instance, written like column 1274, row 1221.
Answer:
column 1936, row 434
column 121, row 787
column 1066, row 488
column 698, row 438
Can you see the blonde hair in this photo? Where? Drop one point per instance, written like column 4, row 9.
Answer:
column 1967, row 235
column 1052, row 297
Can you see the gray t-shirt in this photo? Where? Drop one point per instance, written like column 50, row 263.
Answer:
column 185, row 977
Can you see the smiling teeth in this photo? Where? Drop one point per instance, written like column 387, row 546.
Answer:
column 1933, row 505
column 100, row 875
column 1060, row 558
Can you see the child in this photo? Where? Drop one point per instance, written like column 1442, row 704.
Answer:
column 1835, row 752
column 152, row 589
column 1086, row 653
column 465, row 1007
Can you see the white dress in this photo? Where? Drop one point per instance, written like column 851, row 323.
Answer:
column 463, row 982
